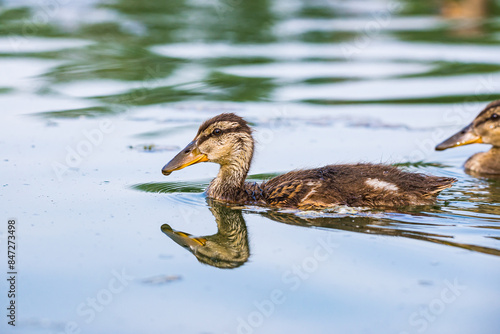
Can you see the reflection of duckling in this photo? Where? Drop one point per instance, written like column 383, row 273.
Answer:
column 228, row 248
column 484, row 129
column 227, row 140
column 464, row 9
column 378, row 226
column 467, row 16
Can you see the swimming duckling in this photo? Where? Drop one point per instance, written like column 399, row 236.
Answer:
column 227, row 139
column 485, row 128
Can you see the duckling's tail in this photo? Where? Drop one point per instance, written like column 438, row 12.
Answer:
column 437, row 184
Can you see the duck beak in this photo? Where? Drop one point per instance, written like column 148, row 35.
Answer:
column 465, row 137
column 190, row 155
column 183, row 239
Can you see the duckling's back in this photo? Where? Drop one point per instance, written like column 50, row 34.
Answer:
column 372, row 185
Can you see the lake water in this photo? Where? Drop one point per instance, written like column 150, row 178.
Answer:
column 96, row 96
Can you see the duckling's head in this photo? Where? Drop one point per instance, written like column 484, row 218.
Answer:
column 484, row 129
column 225, row 139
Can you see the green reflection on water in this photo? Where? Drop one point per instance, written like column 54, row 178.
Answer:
column 19, row 21
column 120, row 48
column 148, row 96
column 238, row 88
column 446, row 99
column 443, row 68
column 178, row 20
column 171, row 187
column 112, row 61
column 75, row 113
column 5, row 90
column 191, row 187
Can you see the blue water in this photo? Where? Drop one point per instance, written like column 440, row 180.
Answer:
column 97, row 96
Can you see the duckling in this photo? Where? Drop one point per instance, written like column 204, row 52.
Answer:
column 227, row 140
column 226, row 249
column 485, row 128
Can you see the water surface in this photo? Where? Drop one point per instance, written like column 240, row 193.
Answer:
column 97, row 96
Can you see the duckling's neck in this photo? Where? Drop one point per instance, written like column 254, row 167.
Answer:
column 231, row 229
column 228, row 185
column 229, row 247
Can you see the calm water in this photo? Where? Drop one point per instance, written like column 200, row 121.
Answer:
column 96, row 96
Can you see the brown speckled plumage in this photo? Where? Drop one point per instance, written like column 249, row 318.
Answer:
column 226, row 139
column 352, row 185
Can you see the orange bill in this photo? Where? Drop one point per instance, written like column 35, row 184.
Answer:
column 190, row 155
column 464, row 137
column 183, row 239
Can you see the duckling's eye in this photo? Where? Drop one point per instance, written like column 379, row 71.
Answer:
column 494, row 116
column 217, row 132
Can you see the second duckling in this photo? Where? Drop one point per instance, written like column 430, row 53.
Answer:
column 485, row 128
